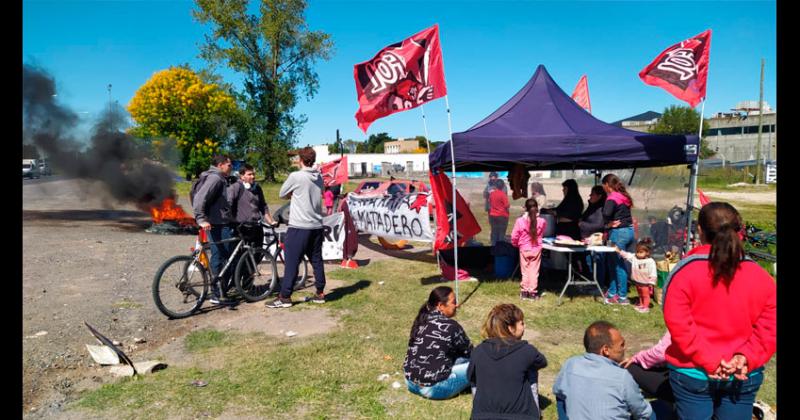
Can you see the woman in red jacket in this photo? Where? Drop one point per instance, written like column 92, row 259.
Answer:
column 720, row 309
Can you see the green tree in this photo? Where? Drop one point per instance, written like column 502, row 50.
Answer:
column 176, row 108
column 275, row 51
column 683, row 120
column 374, row 143
column 422, row 142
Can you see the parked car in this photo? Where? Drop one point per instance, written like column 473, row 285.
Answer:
column 44, row 168
column 396, row 186
column 30, row 169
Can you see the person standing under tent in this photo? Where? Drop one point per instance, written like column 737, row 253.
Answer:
column 617, row 216
column 527, row 236
column 498, row 212
column 591, row 222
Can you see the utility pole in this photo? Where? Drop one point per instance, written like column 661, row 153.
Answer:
column 339, row 142
column 109, row 93
column 760, row 120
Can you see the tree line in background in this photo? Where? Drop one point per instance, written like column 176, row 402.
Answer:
column 375, row 144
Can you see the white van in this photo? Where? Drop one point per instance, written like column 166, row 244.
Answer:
column 30, row 168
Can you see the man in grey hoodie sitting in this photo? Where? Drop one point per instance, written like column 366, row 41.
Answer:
column 305, row 233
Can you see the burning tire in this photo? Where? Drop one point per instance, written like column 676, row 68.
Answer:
column 256, row 276
column 180, row 286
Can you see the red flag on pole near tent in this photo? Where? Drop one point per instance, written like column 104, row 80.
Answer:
column 467, row 225
column 682, row 69
column 581, row 94
column 401, row 76
column 703, row 199
column 334, row 172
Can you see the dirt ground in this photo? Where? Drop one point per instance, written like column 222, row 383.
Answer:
column 86, row 259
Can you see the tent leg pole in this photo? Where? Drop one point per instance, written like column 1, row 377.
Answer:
column 455, row 214
column 690, row 205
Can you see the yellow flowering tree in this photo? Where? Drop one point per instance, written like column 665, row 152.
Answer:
column 177, row 104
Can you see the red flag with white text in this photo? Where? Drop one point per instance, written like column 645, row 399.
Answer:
column 334, row 172
column 581, row 94
column 401, row 76
column 465, row 221
column 682, row 69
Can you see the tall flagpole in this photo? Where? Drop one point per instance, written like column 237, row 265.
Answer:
column 425, row 125
column 693, row 179
column 455, row 214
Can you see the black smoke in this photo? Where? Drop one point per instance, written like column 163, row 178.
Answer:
column 118, row 160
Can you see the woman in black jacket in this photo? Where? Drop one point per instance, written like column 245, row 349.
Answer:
column 438, row 349
column 592, row 222
column 504, row 369
column 568, row 212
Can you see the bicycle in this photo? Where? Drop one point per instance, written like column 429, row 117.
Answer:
column 181, row 283
column 251, row 271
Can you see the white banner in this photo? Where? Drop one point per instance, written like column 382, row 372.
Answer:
column 399, row 217
column 332, row 242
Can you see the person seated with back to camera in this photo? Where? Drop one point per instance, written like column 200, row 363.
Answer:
column 504, row 368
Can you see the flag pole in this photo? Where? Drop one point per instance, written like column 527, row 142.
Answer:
column 428, row 143
column 455, row 214
column 693, row 180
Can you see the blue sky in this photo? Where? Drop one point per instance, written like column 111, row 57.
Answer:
column 490, row 50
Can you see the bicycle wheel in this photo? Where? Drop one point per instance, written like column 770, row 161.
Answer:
column 302, row 280
column 180, row 286
column 255, row 276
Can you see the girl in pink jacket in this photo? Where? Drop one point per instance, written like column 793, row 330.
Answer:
column 527, row 237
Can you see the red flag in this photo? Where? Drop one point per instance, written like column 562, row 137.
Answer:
column 401, row 76
column 682, row 69
column 581, row 94
column 467, row 225
column 703, row 199
column 334, row 172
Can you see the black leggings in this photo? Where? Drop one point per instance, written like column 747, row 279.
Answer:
column 654, row 382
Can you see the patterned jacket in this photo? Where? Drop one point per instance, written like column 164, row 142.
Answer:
column 433, row 349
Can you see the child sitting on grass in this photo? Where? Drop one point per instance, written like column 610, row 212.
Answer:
column 643, row 272
column 503, row 369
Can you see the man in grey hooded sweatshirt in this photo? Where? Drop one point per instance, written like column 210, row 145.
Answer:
column 305, row 233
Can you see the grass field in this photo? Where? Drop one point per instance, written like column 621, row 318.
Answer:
column 335, row 375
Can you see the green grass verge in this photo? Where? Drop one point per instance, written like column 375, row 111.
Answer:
column 335, row 375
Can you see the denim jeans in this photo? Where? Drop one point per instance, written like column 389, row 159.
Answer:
column 220, row 254
column 450, row 387
column 600, row 259
column 701, row 399
column 623, row 239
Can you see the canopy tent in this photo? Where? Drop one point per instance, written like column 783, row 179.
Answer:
column 542, row 128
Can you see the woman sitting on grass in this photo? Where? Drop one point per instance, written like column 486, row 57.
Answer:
column 504, row 369
column 438, row 349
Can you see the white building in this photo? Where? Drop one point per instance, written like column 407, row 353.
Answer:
column 371, row 164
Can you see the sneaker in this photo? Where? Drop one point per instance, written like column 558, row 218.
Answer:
column 220, row 300
column 317, row 298
column 279, row 302
column 613, row 300
column 623, row 301
column 641, row 309
column 534, row 296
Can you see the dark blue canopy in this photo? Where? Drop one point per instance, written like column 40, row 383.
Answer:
column 541, row 127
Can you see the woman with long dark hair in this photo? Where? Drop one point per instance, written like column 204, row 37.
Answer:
column 592, row 222
column 438, row 349
column 568, row 212
column 617, row 216
column 720, row 309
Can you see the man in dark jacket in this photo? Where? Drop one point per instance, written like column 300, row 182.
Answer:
column 213, row 214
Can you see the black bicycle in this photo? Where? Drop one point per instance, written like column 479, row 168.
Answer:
column 260, row 275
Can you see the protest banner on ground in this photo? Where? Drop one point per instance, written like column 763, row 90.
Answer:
column 333, row 241
column 400, row 217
